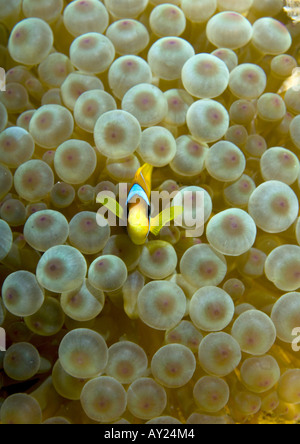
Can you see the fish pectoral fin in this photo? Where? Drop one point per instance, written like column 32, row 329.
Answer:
column 111, row 204
column 164, row 217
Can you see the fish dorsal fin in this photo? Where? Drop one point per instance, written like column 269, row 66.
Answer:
column 164, row 217
column 143, row 178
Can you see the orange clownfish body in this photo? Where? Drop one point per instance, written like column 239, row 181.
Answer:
column 138, row 205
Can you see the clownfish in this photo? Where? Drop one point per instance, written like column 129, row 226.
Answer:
column 139, row 220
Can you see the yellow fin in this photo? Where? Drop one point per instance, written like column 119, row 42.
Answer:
column 143, row 178
column 111, row 204
column 165, row 216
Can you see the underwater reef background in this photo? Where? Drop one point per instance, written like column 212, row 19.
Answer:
column 180, row 330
